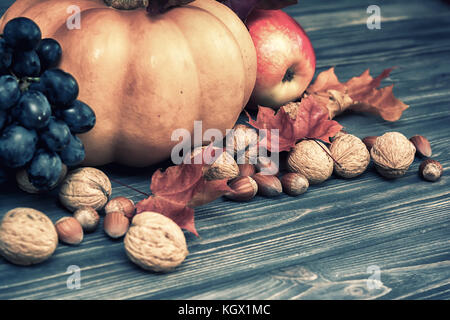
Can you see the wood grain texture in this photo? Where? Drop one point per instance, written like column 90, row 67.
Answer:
column 315, row 246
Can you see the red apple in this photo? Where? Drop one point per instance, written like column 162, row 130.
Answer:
column 285, row 58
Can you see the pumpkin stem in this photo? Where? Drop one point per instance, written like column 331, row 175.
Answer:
column 127, row 4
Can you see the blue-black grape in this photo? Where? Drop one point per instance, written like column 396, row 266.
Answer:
column 49, row 52
column 79, row 117
column 22, row 34
column 9, row 92
column 17, row 146
column 74, row 153
column 56, row 136
column 3, row 118
column 33, row 110
column 26, row 64
column 61, row 88
column 44, row 169
column 36, row 86
column 5, row 57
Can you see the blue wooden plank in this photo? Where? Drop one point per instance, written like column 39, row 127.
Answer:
column 321, row 244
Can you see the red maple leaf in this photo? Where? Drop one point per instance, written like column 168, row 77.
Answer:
column 294, row 121
column 177, row 190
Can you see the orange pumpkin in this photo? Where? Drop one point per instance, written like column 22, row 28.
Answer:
column 146, row 76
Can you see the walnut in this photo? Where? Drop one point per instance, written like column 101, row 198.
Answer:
column 154, row 242
column 224, row 167
column 351, row 154
column 243, row 140
column 27, row 236
column 85, row 187
column 311, row 158
column 392, row 154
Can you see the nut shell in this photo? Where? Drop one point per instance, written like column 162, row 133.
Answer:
column 423, row 147
column 88, row 218
column 431, row 170
column 294, row 183
column 243, row 140
column 116, row 224
column 121, row 204
column 27, row 236
column 246, row 169
column 268, row 185
column 311, row 160
column 85, row 187
column 24, row 184
column 69, row 230
column 154, row 242
column 224, row 167
column 392, row 154
column 244, row 189
column 351, row 154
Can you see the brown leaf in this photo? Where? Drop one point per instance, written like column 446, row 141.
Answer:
column 361, row 94
column 295, row 121
column 182, row 215
column 179, row 189
column 160, row 6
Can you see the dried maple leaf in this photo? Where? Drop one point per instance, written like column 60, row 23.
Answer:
column 177, row 190
column 295, row 121
column 360, row 94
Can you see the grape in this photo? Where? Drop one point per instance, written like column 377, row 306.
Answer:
column 49, row 52
column 33, row 110
column 79, row 117
column 36, row 86
column 5, row 57
column 9, row 92
column 74, row 153
column 45, row 169
column 3, row 118
column 61, row 88
column 3, row 175
column 22, row 33
column 26, row 64
column 17, row 146
column 56, row 136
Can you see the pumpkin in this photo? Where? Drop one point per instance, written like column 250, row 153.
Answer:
column 147, row 75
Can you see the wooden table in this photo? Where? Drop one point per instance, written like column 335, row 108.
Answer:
column 326, row 244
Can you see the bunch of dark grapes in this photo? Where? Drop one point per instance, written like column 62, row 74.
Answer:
column 39, row 111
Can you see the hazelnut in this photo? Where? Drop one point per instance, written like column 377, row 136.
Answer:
column 69, row 230
column 369, row 141
column 294, row 183
column 85, row 187
column 121, row 204
column 268, row 185
column 243, row 189
column 224, row 167
column 27, row 236
column 392, row 154
column 267, row 166
column 115, row 224
column 24, row 184
column 431, row 170
column 351, row 156
column 154, row 242
column 423, row 147
column 88, row 218
column 310, row 159
column 246, row 169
